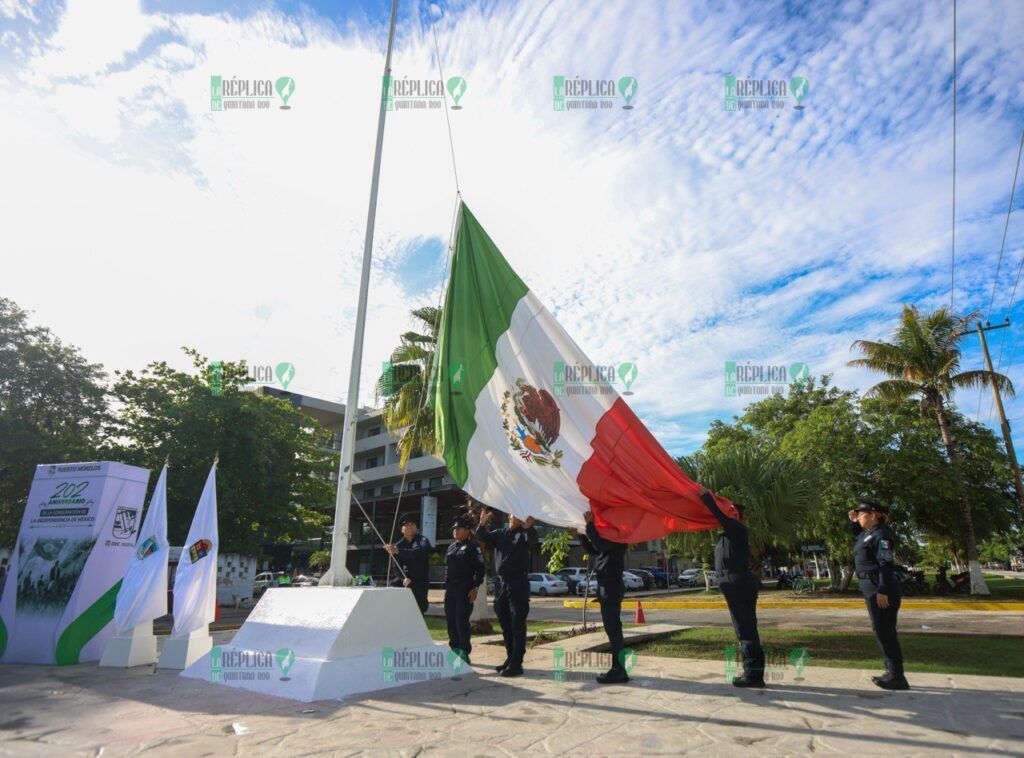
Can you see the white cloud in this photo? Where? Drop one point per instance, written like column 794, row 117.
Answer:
column 676, row 234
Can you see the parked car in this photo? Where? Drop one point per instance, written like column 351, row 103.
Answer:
column 572, row 576
column 687, row 577
column 547, row 584
column 582, row 585
column 695, row 578
column 662, row 578
column 646, row 576
column 266, row 579
column 304, row 581
column 632, row 581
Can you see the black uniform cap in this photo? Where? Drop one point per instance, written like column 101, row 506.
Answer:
column 863, row 504
column 408, row 518
column 462, row 522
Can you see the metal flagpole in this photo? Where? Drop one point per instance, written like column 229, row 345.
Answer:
column 339, row 575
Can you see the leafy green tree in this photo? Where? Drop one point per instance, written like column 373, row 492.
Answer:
column 273, row 478
column 405, row 387
column 52, row 409
column 923, row 362
column 777, row 491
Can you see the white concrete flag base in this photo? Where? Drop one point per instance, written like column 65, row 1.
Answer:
column 136, row 648
column 181, row 652
column 329, row 642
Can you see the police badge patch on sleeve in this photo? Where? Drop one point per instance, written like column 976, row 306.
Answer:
column 885, row 549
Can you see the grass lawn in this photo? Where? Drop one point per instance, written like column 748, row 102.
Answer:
column 931, row 653
column 1001, row 588
column 438, row 627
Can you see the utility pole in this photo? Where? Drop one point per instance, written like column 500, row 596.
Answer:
column 1003, row 423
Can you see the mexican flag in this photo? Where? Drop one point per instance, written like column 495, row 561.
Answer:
column 517, row 438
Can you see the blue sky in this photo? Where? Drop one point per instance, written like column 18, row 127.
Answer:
column 676, row 234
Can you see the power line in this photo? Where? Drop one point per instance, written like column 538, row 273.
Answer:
column 1013, row 294
column 952, row 263
column 1020, row 268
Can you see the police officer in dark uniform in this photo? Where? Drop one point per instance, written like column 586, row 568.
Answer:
column 512, row 603
column 739, row 585
column 465, row 562
column 413, row 555
column 874, row 563
column 610, row 591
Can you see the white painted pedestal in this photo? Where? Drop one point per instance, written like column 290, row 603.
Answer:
column 181, row 652
column 329, row 642
column 136, row 648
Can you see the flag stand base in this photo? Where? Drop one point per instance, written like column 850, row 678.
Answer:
column 181, row 652
column 329, row 642
column 136, row 648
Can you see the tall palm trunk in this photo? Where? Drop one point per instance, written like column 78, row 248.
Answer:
column 978, row 586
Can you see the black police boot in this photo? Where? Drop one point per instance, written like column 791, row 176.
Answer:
column 502, row 667
column 748, row 680
column 512, row 670
column 613, row 676
column 891, row 681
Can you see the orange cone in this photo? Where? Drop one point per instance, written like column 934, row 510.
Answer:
column 640, row 613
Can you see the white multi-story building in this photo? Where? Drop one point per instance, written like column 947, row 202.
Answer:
column 384, row 490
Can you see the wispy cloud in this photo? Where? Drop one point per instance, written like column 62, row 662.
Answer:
column 676, row 234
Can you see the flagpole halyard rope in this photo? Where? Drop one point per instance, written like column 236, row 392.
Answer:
column 423, row 401
column 447, row 118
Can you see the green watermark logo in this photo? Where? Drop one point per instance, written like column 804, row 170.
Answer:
column 583, row 665
column 229, row 664
column 742, row 93
column 416, row 665
column 285, row 86
column 216, row 378
column 762, row 379
column 776, row 667
column 593, row 378
column 407, row 94
column 236, row 94
column 577, row 94
column 456, row 88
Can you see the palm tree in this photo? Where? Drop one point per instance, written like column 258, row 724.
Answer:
column 776, row 490
column 405, row 383
column 923, row 361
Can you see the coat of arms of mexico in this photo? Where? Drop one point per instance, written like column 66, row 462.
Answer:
column 531, row 421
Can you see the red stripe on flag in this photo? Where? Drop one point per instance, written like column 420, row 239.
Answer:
column 636, row 491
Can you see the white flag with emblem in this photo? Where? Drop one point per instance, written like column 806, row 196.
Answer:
column 143, row 593
column 195, row 581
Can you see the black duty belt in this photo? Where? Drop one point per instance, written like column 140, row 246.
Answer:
column 872, row 575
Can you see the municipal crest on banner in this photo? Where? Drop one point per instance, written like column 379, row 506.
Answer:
column 149, row 546
column 531, row 420
column 125, row 522
column 199, row 550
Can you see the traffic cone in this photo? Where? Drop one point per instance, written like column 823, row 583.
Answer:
column 640, row 613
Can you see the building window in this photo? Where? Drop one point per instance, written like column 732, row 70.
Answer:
column 370, row 463
column 387, row 489
column 368, row 493
column 436, row 481
column 373, row 432
column 413, row 486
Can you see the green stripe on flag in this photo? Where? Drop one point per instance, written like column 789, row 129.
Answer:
column 86, row 626
column 483, row 292
column 3, row 637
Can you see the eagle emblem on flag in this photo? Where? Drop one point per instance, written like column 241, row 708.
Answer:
column 531, row 421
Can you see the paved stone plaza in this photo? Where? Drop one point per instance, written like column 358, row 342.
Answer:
column 672, row 706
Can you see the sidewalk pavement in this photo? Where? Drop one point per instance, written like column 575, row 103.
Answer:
column 672, row 706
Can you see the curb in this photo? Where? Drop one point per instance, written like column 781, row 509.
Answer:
column 913, row 605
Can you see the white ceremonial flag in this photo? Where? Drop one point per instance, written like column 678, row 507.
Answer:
column 195, row 581
column 143, row 594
